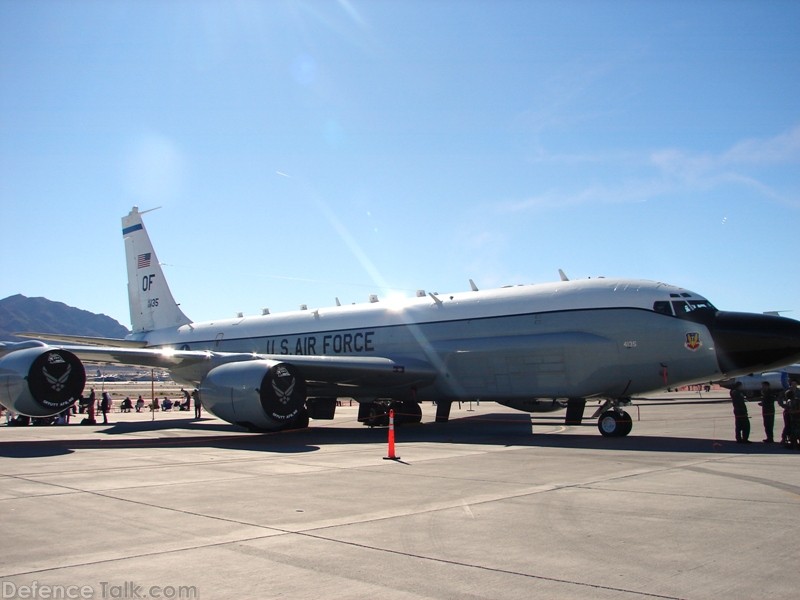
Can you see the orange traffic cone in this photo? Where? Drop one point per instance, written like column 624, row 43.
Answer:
column 392, row 455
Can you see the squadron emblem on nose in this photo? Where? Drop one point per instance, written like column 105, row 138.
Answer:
column 693, row 342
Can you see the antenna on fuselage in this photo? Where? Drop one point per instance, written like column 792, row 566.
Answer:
column 473, row 286
column 563, row 275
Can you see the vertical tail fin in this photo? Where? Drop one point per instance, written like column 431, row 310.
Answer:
column 151, row 303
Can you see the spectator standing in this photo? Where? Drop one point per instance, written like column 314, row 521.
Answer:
column 768, row 411
column 198, row 407
column 741, row 420
column 105, row 406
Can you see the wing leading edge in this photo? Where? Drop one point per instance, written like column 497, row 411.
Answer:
column 192, row 366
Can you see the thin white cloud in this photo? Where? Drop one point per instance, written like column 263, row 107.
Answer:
column 669, row 171
column 626, row 192
column 780, row 149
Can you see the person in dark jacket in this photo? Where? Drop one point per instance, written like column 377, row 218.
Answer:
column 791, row 411
column 198, row 407
column 105, row 406
column 768, row 411
column 90, row 408
column 742, row 421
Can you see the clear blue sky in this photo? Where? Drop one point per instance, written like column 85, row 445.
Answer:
column 306, row 150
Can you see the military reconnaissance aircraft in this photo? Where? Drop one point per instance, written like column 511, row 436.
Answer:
column 536, row 348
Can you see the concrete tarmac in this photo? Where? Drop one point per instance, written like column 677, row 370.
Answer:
column 485, row 506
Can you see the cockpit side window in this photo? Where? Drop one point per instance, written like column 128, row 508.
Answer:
column 697, row 304
column 681, row 308
column 663, row 307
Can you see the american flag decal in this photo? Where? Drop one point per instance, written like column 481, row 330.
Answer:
column 143, row 261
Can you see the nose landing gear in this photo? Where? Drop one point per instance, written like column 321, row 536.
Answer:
column 615, row 423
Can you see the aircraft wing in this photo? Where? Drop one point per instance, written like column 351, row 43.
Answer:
column 319, row 371
column 258, row 391
column 82, row 339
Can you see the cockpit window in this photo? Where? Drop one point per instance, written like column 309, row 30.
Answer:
column 681, row 308
column 662, row 307
column 685, row 307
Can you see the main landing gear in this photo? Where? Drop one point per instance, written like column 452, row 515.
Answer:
column 376, row 414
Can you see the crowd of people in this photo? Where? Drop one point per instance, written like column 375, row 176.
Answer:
column 789, row 402
column 183, row 404
column 87, row 405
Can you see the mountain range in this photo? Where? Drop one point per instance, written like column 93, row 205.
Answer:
column 19, row 313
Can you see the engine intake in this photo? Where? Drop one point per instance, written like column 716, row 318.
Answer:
column 40, row 381
column 259, row 394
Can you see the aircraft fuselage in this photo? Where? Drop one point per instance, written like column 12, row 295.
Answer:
column 569, row 339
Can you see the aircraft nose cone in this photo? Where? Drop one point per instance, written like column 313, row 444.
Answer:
column 748, row 343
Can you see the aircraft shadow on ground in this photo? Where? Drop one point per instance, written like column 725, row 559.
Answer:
column 486, row 429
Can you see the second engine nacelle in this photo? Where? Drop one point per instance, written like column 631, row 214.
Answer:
column 40, row 381
column 259, row 394
column 751, row 384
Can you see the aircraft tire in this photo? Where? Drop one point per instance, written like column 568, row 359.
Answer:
column 626, row 423
column 614, row 424
column 416, row 411
column 407, row 412
column 378, row 416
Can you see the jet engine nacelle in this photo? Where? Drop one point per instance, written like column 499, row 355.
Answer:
column 259, row 394
column 751, row 384
column 40, row 381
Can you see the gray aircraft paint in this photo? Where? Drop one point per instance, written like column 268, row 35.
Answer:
column 579, row 352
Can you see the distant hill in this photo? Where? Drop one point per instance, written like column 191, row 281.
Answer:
column 20, row 313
